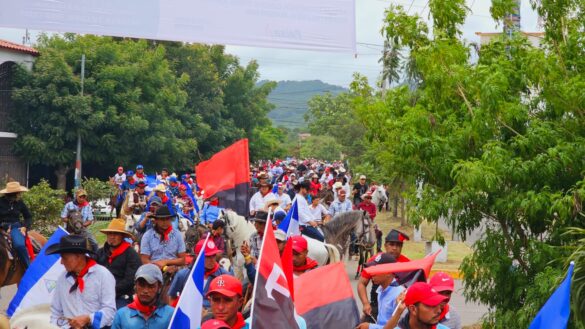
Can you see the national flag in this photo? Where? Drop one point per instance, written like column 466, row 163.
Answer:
column 272, row 306
column 406, row 272
column 227, row 176
column 189, row 192
column 290, row 223
column 187, row 314
column 324, row 298
column 40, row 279
column 557, row 309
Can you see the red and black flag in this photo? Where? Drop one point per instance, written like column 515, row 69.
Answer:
column 324, row 298
column 407, row 273
column 273, row 305
column 227, row 176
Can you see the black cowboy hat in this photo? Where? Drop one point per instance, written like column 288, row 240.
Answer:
column 75, row 244
column 396, row 236
column 162, row 212
column 261, row 216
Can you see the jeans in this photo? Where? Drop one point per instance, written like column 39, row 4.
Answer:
column 18, row 244
column 312, row 232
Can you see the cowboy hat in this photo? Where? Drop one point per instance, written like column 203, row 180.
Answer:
column 271, row 201
column 117, row 225
column 75, row 244
column 366, row 195
column 13, row 187
column 160, row 188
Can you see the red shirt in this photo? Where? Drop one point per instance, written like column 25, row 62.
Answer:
column 369, row 207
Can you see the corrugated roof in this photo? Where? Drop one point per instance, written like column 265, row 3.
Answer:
column 16, row 47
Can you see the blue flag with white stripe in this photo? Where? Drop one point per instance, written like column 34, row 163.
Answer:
column 187, row 314
column 557, row 309
column 290, row 224
column 39, row 281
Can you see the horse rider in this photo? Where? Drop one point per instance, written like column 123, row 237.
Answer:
column 309, row 227
column 301, row 262
column 319, row 212
column 137, row 199
column 393, row 246
column 210, row 211
column 146, row 309
column 367, row 205
column 258, row 200
column 78, row 216
column 255, row 241
column 285, row 201
column 226, row 299
column 341, row 204
column 128, row 185
column 85, row 294
column 119, row 177
column 212, row 270
column 162, row 245
column 118, row 256
column 11, row 209
column 217, row 229
column 140, row 175
column 146, row 220
column 360, row 188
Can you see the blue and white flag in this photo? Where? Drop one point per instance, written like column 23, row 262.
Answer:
column 290, row 224
column 557, row 309
column 39, row 281
column 187, row 314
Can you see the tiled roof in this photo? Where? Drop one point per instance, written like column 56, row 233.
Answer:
column 16, row 47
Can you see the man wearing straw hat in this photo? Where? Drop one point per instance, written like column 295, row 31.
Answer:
column 78, row 216
column 118, row 256
column 11, row 209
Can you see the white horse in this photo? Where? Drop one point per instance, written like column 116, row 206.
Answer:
column 34, row 317
column 379, row 197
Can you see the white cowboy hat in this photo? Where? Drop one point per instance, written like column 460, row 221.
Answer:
column 160, row 188
column 13, row 187
column 366, row 195
column 271, row 201
column 337, row 185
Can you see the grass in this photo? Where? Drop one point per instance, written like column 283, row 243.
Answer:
column 95, row 230
column 416, row 250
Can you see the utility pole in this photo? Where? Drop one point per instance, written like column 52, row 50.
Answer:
column 78, row 153
column 512, row 24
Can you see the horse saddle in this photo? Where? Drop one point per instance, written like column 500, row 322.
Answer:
column 6, row 243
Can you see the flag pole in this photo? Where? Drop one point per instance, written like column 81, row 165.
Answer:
column 258, row 270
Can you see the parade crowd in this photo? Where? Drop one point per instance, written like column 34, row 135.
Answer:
column 136, row 277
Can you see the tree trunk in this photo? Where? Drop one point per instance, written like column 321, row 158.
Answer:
column 61, row 173
column 403, row 212
column 396, row 199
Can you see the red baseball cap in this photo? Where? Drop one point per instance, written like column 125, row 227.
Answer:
column 299, row 244
column 215, row 324
column 421, row 292
column 210, row 248
column 442, row 281
column 226, row 285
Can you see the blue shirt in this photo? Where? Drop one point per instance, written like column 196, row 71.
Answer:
column 209, row 214
column 386, row 304
column 127, row 318
column 338, row 207
column 86, row 212
column 152, row 245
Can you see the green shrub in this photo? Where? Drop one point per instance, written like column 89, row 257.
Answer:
column 45, row 205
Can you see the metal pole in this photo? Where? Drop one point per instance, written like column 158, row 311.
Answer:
column 78, row 153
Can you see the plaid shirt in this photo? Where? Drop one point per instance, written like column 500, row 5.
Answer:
column 255, row 243
column 338, row 207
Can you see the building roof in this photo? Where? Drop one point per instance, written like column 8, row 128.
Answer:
column 19, row 48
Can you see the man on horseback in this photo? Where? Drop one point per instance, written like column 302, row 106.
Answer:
column 308, row 225
column 210, row 212
column 359, row 189
column 11, row 209
column 78, row 216
column 258, row 200
column 341, row 204
column 162, row 245
column 137, row 199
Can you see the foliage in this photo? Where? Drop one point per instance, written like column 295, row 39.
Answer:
column 267, row 143
column 498, row 144
column 321, row 147
column 97, row 189
column 45, row 205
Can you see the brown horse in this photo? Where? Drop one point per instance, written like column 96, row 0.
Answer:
column 11, row 269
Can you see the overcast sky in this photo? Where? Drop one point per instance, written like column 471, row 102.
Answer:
column 335, row 68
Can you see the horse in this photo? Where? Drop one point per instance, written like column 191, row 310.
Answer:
column 34, row 317
column 379, row 197
column 11, row 269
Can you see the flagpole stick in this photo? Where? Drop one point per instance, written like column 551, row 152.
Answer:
column 258, row 272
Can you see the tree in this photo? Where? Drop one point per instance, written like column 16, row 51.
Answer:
column 498, row 143
column 322, row 147
column 45, row 205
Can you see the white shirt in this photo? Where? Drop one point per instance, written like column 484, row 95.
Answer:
column 318, row 212
column 98, row 299
column 257, row 202
column 119, row 179
column 305, row 215
column 284, row 200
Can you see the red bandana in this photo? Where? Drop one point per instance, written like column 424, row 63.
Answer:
column 141, row 176
column 165, row 199
column 444, row 313
column 80, row 283
column 118, row 251
column 240, row 323
column 144, row 309
column 165, row 234
column 82, row 204
column 309, row 264
column 210, row 272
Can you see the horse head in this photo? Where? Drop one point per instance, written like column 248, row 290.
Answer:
column 338, row 229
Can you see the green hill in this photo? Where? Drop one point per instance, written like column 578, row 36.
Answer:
column 291, row 97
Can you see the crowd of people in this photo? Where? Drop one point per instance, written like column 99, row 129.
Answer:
column 136, row 277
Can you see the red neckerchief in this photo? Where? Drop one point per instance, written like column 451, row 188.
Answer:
column 174, row 184
column 164, row 199
column 210, row 272
column 165, row 234
column 402, row 259
column 131, row 180
column 82, row 204
column 309, row 264
column 79, row 278
column 140, row 175
column 240, row 323
column 214, row 202
column 118, row 251
column 144, row 309
column 444, row 313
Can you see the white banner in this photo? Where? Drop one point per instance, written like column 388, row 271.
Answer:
column 326, row 25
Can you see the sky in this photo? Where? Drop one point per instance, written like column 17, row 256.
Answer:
column 336, row 68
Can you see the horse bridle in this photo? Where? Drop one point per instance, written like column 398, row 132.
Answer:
column 365, row 230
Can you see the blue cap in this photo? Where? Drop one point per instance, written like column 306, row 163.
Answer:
column 172, row 179
column 129, row 173
column 139, row 167
column 279, row 216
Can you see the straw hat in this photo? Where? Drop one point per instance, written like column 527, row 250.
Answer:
column 271, row 201
column 13, row 187
column 117, row 225
column 160, row 188
column 366, row 195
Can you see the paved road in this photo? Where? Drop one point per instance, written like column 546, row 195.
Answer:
column 470, row 313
